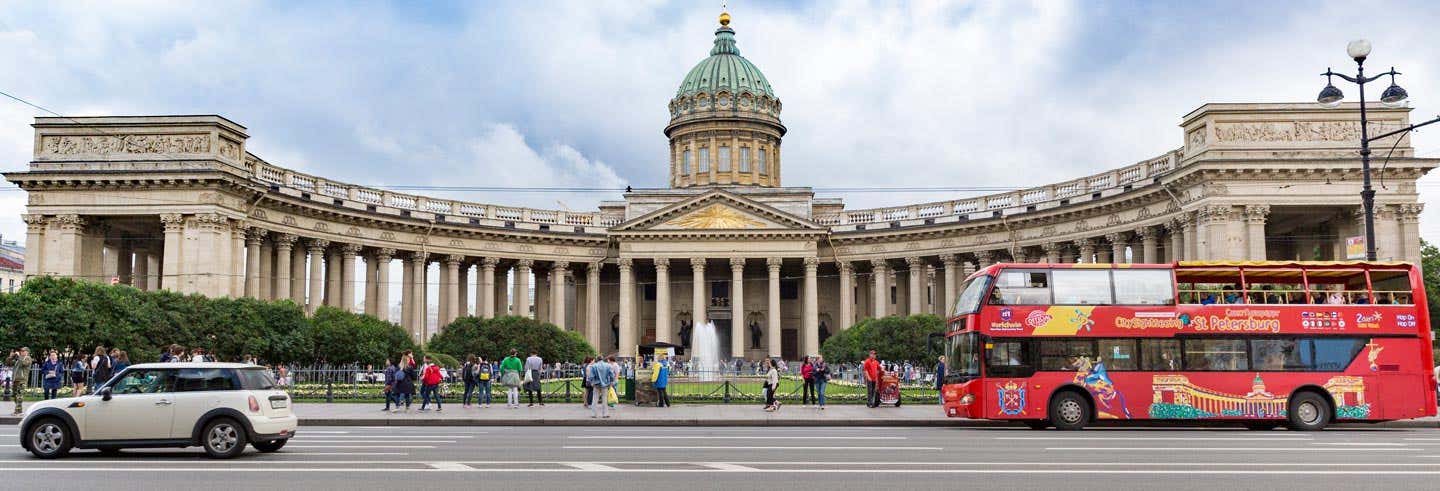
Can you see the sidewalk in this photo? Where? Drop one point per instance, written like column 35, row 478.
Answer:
column 573, row 414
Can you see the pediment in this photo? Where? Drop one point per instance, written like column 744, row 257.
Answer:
column 719, row 211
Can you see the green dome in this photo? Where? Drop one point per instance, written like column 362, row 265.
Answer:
column 725, row 71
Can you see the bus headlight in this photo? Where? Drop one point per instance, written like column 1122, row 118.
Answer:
column 969, row 398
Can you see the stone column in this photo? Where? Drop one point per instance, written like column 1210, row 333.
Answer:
column 419, row 307
column 811, row 323
column 1192, row 235
column 125, row 263
column 697, row 271
column 347, row 276
column 372, row 269
column 297, row 272
column 914, row 274
column 462, row 290
column 487, row 287
column 236, row 286
column 267, row 270
column 522, row 287
column 1052, row 251
column 662, row 300
column 1409, row 232
column 170, row 267
column 284, row 245
column 1213, row 222
column 141, row 274
column 542, row 293
column 881, row 297
column 847, row 295
column 407, row 296
column 1176, row 228
column 952, row 282
column 1149, row 244
column 772, row 266
column 382, row 283
column 627, row 308
column 332, row 277
column 1255, row 216
column 737, row 307
column 253, row 238
column 317, row 274
column 34, row 244
column 503, row 290
column 1118, row 243
column 1087, row 251
column 557, row 294
column 450, row 289
column 592, row 303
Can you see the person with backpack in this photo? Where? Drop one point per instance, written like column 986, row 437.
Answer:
column 510, row 369
column 389, row 390
column 101, row 366
column 483, row 373
column 807, row 374
column 467, row 375
column 822, row 377
column 430, row 378
column 405, row 377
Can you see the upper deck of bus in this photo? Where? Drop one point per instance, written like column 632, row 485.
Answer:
column 1199, row 297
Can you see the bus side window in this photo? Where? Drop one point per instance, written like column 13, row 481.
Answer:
column 1160, row 355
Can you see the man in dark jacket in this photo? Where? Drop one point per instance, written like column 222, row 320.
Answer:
column 940, row 378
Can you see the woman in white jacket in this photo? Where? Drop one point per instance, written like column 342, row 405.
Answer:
column 772, row 382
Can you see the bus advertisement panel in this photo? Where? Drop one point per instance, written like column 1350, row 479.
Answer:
column 1261, row 343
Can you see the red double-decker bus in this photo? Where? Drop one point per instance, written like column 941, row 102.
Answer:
column 1262, row 343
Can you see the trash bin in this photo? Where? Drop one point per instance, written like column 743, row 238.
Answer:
column 629, row 394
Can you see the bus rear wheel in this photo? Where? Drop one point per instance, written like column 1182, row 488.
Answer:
column 1069, row 411
column 1308, row 412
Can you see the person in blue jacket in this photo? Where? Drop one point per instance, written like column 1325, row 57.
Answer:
column 51, row 375
column 662, row 380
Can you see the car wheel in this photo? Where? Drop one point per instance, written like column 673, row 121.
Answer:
column 1036, row 424
column 109, row 450
column 1069, row 411
column 270, row 445
column 223, row 438
column 1308, row 412
column 49, row 438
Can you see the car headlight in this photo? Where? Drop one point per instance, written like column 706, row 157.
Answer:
column 969, row 398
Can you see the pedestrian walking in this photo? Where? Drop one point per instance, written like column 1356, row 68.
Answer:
column 821, row 374
column 50, row 376
column 77, row 374
column 102, row 367
column 19, row 362
column 807, row 375
column 772, row 382
column 389, row 390
column 661, row 378
column 483, row 373
column 610, row 397
column 940, row 379
column 601, row 378
column 534, row 370
column 872, row 380
column 585, row 380
column 510, row 369
column 430, row 378
column 467, row 375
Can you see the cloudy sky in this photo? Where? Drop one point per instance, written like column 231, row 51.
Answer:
column 541, row 93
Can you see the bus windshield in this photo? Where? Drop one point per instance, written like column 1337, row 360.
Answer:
column 963, row 355
column 970, row 295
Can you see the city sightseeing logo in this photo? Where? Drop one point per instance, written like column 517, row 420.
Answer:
column 1037, row 318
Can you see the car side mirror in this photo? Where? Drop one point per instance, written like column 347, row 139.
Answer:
column 105, row 394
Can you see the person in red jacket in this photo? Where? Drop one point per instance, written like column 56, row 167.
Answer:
column 807, row 374
column 872, row 380
column 430, row 377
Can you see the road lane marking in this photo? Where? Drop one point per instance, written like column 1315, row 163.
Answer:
column 591, row 467
column 1158, row 438
column 723, row 466
column 733, row 437
column 1361, row 444
column 361, row 446
column 257, row 459
column 1232, row 449
column 764, row 471
column 701, row 447
column 449, row 466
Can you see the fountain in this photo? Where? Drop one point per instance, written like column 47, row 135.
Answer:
column 705, row 353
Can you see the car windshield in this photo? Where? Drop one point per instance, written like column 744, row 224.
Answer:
column 970, row 295
column 963, row 353
column 255, row 379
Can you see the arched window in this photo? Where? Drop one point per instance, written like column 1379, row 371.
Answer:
column 724, row 159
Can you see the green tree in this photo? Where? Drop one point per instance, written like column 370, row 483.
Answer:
column 1430, row 272
column 342, row 337
column 494, row 338
column 894, row 338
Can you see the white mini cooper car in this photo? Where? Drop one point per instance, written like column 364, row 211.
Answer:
column 219, row 406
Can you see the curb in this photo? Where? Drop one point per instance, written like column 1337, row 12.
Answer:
column 922, row 423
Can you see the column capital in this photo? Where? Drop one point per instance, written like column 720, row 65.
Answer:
column 625, row 263
column 697, row 263
column 33, row 219
column 419, row 257
column 560, row 267
column 773, row 263
column 949, row 260
column 255, row 235
column 662, row 263
column 846, row 267
column 384, row 254
column 737, row 264
column 914, row 262
column 1410, row 212
column 317, row 246
column 285, row 242
column 71, row 221
column 811, row 262
column 489, row 262
column 351, row 250
column 454, row 259
column 525, row 263
column 172, row 221
column 1084, row 243
column 1052, row 247
column 1213, row 214
column 1117, row 237
column 879, row 263
column 1256, row 213
column 985, row 256
column 1149, row 232
column 594, row 268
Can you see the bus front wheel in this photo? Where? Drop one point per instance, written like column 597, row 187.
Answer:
column 1069, row 411
column 1308, row 412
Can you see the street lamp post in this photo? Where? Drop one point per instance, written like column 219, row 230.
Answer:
column 1331, row 96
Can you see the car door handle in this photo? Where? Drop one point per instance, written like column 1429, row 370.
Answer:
column 163, row 402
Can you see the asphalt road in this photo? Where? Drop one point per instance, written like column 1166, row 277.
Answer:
column 690, row 458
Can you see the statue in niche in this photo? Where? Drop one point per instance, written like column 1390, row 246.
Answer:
column 615, row 328
column 755, row 334
column 824, row 333
column 686, row 329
